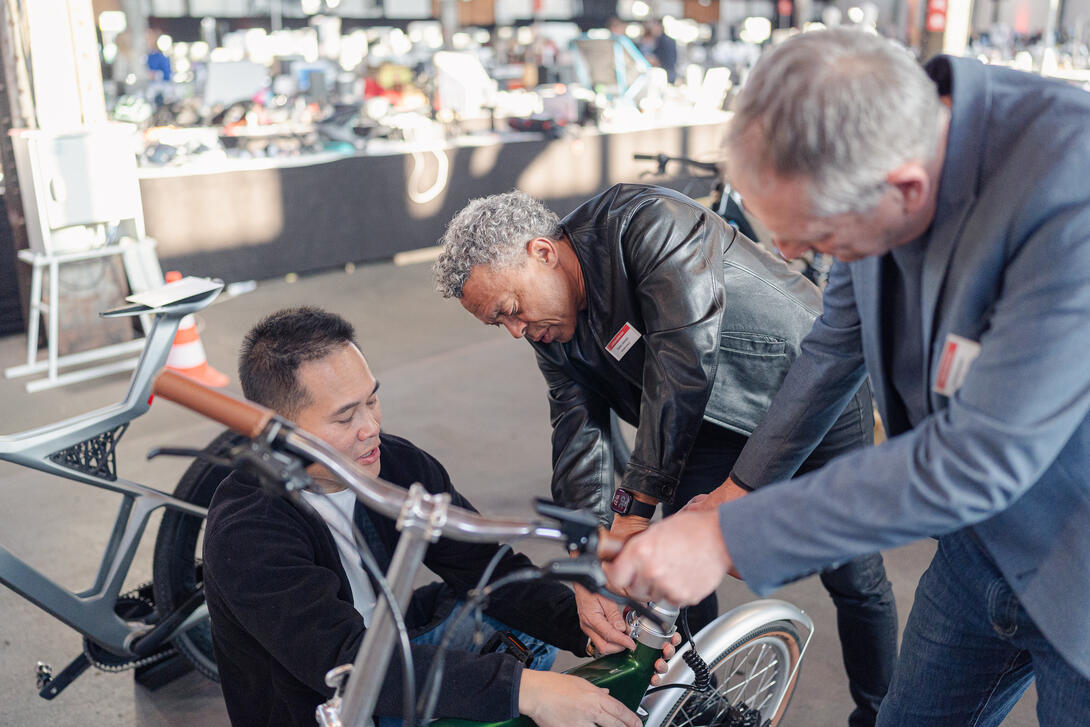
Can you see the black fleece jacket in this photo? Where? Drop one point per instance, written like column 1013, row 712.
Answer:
column 282, row 614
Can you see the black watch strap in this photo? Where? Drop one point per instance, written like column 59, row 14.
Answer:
column 625, row 503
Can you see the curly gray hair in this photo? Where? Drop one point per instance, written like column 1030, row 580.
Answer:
column 490, row 231
column 840, row 107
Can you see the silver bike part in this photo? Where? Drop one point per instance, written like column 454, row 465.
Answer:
column 421, row 522
column 649, row 632
column 328, row 713
column 749, row 655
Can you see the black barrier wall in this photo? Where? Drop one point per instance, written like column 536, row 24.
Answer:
column 266, row 222
column 302, row 216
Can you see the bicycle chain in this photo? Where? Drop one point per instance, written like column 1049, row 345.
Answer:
column 114, row 663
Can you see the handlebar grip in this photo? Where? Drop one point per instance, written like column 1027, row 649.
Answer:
column 645, row 157
column 609, row 546
column 244, row 417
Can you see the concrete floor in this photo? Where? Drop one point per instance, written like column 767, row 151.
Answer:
column 465, row 392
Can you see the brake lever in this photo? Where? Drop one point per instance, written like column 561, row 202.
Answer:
column 586, row 570
column 278, row 473
column 579, row 527
column 187, row 452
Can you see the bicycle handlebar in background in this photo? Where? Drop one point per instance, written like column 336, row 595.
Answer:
column 663, row 159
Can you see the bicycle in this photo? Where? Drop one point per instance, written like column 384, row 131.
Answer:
column 748, row 658
column 727, row 203
column 141, row 629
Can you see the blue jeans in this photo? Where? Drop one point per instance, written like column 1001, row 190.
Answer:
column 462, row 640
column 866, row 611
column 969, row 651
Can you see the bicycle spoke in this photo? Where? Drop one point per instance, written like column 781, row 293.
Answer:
column 755, row 675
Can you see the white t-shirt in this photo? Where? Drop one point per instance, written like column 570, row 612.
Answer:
column 363, row 595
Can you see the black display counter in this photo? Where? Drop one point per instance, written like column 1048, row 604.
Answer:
column 264, row 219
column 257, row 220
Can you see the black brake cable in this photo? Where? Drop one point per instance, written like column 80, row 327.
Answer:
column 486, row 576
column 435, row 671
column 430, row 694
column 701, row 673
column 408, row 684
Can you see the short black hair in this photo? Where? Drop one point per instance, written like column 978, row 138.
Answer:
column 274, row 349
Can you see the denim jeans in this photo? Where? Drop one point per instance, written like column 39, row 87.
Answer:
column 462, row 640
column 866, row 611
column 969, row 651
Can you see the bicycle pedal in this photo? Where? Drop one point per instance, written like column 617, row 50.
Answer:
column 54, row 685
column 43, row 674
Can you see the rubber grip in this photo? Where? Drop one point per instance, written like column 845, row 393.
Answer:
column 609, row 546
column 244, row 417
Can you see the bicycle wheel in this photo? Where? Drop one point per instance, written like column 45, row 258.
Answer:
column 177, row 567
column 755, row 672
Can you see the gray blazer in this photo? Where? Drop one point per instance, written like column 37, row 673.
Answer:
column 1008, row 454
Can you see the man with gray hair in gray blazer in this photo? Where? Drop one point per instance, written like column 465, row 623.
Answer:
column 956, row 200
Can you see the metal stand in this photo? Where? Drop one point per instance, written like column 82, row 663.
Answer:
column 40, row 261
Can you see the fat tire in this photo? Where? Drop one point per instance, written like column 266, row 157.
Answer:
column 176, row 568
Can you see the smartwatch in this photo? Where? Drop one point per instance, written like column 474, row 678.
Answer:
column 625, row 503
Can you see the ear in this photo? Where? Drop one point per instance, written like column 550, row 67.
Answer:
column 543, row 250
column 914, row 183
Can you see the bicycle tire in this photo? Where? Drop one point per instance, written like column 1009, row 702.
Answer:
column 758, row 669
column 177, row 567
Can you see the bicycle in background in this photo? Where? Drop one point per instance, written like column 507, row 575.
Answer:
column 147, row 628
column 727, row 203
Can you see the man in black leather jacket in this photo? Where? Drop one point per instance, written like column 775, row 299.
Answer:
column 645, row 303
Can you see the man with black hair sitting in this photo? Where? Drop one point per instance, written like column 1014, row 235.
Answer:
column 289, row 598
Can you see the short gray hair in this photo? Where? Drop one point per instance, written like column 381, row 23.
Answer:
column 491, row 231
column 842, row 108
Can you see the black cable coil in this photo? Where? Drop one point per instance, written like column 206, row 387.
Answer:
column 702, row 676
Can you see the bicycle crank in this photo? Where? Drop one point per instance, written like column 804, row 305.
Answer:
column 136, row 605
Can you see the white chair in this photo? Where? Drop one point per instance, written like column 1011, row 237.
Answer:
column 81, row 198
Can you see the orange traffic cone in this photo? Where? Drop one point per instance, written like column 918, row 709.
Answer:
column 187, row 354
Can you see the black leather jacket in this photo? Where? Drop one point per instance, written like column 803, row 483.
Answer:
column 720, row 321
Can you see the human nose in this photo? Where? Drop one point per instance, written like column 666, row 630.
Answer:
column 517, row 329
column 369, row 427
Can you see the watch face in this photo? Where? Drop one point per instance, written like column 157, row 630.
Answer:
column 621, row 502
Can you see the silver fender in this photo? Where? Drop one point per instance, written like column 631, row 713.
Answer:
column 716, row 637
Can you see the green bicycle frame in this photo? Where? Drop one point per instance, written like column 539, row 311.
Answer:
column 626, row 675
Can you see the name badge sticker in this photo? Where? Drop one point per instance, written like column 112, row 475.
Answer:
column 957, row 354
column 623, row 340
